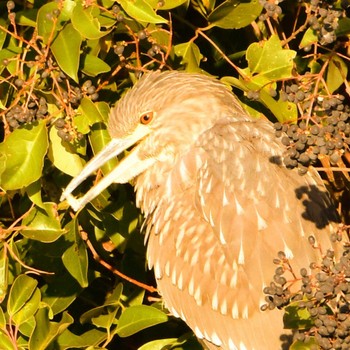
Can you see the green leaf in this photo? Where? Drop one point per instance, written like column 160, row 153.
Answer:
column 299, row 345
column 43, row 224
column 168, row 4
column 112, row 300
column 296, row 317
column 336, row 73
column 137, row 318
column 85, row 23
column 90, row 111
column 344, row 26
column 63, row 155
column 59, row 296
column 159, row 344
column 75, row 258
column 284, row 111
column 34, row 194
column 24, row 150
column 309, row 38
column 46, row 26
column 27, row 17
column 29, row 309
column 6, row 342
column 66, row 49
column 92, row 65
column 270, row 59
column 21, row 291
column 68, row 340
column 191, row 55
column 99, row 138
column 141, row 11
column 233, row 14
column 46, row 331
column 2, row 319
column 3, row 34
column 3, row 274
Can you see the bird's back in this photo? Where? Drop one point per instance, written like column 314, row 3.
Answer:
column 217, row 218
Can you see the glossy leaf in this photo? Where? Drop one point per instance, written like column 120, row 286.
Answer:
column 191, row 55
column 46, row 330
column 34, row 193
column 3, row 273
column 85, row 23
column 29, row 309
column 75, row 258
column 112, row 300
column 89, row 109
column 63, row 155
column 21, row 291
column 296, row 317
column 6, row 343
column 66, row 48
column 92, row 65
column 299, row 345
column 233, row 14
column 24, row 150
column 43, row 224
column 142, row 11
column 270, row 59
column 137, row 318
column 336, row 73
column 46, row 26
column 168, row 4
column 309, row 38
column 99, row 137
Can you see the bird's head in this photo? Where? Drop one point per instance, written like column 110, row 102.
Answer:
column 160, row 117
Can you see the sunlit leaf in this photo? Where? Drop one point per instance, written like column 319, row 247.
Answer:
column 3, row 273
column 75, row 258
column 142, row 11
column 66, row 49
column 234, row 14
column 309, row 38
column 336, row 73
column 270, row 59
column 85, row 23
column 137, row 318
column 43, row 224
column 46, row 330
column 24, row 150
column 191, row 55
column 92, row 65
column 63, row 155
column 168, row 4
column 29, row 308
column 21, row 291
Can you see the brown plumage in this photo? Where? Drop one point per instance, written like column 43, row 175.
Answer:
column 218, row 203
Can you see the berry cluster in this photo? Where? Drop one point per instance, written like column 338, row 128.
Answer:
column 66, row 132
column 324, row 294
column 317, row 137
column 272, row 9
column 324, row 20
column 20, row 114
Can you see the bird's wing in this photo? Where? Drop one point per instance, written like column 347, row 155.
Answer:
column 227, row 210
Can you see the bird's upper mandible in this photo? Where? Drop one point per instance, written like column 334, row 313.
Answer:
column 218, row 203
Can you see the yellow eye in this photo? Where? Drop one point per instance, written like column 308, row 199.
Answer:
column 146, row 118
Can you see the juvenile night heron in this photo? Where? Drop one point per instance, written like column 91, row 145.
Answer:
column 218, row 202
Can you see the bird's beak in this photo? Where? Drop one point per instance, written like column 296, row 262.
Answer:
column 127, row 169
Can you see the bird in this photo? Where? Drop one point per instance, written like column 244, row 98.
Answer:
column 218, row 204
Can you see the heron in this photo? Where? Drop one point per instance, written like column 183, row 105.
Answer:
column 218, row 203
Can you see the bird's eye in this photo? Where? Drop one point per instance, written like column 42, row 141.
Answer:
column 146, row 118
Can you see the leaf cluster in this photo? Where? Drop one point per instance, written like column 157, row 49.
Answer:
column 79, row 281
